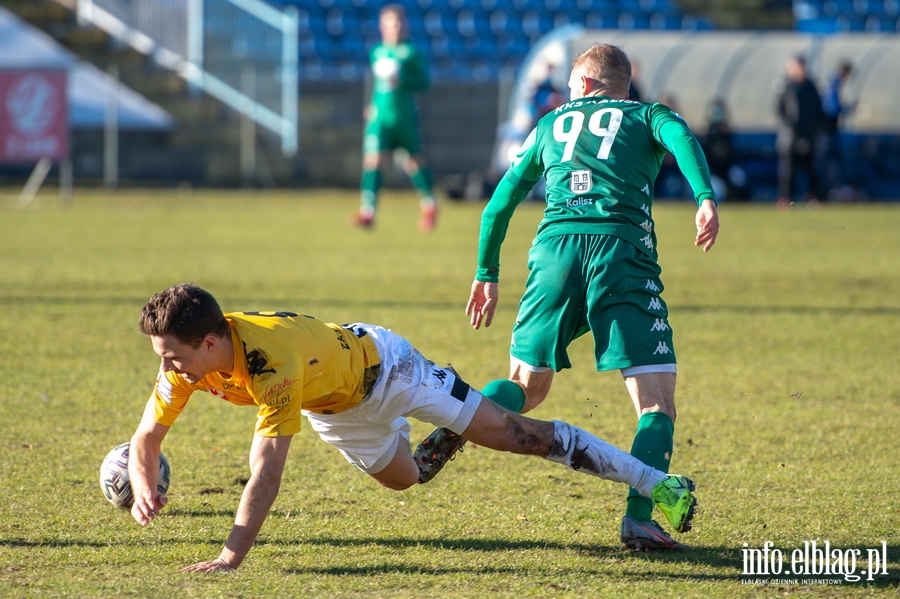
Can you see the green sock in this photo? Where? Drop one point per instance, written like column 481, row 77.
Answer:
column 421, row 181
column 505, row 393
column 652, row 445
column 370, row 185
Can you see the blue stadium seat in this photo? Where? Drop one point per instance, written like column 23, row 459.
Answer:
column 632, row 20
column 601, row 20
column 663, row 6
column 350, row 47
column 849, row 22
column 319, row 69
column 368, row 25
column 307, row 45
column 469, row 22
column 561, row 19
column 892, row 7
column 633, row 6
column 350, row 70
column 525, row 5
column 536, row 23
column 833, row 8
column 880, row 23
column 661, row 20
column 501, row 21
column 484, row 69
column 434, row 21
column 338, row 20
column 567, row 6
column 490, row 5
column 695, row 23
column 806, row 10
column 864, row 8
column 513, row 44
column 448, row 45
column 310, row 21
column 601, row 5
column 451, row 68
column 817, row 25
column 480, row 46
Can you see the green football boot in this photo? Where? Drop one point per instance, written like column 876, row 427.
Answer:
column 673, row 498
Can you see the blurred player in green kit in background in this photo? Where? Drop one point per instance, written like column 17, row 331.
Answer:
column 398, row 71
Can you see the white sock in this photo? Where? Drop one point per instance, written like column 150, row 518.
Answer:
column 582, row 451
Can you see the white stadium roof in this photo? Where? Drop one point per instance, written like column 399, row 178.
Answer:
column 744, row 68
column 23, row 47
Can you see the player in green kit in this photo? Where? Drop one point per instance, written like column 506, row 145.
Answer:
column 398, row 71
column 593, row 262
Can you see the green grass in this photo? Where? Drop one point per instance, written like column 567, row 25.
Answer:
column 789, row 402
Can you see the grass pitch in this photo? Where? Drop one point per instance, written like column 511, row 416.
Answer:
column 789, row 403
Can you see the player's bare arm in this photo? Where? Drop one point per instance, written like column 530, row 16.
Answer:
column 267, row 459
column 707, row 221
column 482, row 303
column 143, row 468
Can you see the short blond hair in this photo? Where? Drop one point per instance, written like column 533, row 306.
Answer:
column 395, row 9
column 607, row 64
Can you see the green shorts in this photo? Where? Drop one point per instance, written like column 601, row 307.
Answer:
column 597, row 283
column 380, row 136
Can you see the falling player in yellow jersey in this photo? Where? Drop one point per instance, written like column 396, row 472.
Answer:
column 356, row 384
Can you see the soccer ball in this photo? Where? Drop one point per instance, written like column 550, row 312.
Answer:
column 114, row 481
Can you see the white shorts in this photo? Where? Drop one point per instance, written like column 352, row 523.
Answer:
column 407, row 385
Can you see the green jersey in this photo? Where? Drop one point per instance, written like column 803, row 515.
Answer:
column 398, row 72
column 600, row 157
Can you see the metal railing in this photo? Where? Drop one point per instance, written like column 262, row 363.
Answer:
column 242, row 52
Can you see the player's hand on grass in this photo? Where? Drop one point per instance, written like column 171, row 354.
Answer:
column 707, row 221
column 147, row 505
column 216, row 566
column 482, row 303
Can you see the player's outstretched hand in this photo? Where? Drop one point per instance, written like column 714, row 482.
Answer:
column 216, row 566
column 147, row 505
column 482, row 303
column 707, row 221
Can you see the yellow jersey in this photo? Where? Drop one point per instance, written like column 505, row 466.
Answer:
column 283, row 362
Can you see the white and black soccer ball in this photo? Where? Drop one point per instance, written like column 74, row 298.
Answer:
column 114, row 480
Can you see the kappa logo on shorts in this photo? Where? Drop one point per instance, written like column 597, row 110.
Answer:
column 662, row 348
column 580, row 182
column 655, row 304
column 659, row 325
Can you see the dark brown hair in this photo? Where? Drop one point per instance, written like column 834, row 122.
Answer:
column 186, row 312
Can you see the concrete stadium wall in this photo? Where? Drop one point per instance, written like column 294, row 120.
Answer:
column 458, row 123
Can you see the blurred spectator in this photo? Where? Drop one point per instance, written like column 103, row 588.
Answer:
column 834, row 111
column 670, row 183
column 799, row 112
column 546, row 96
column 729, row 179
